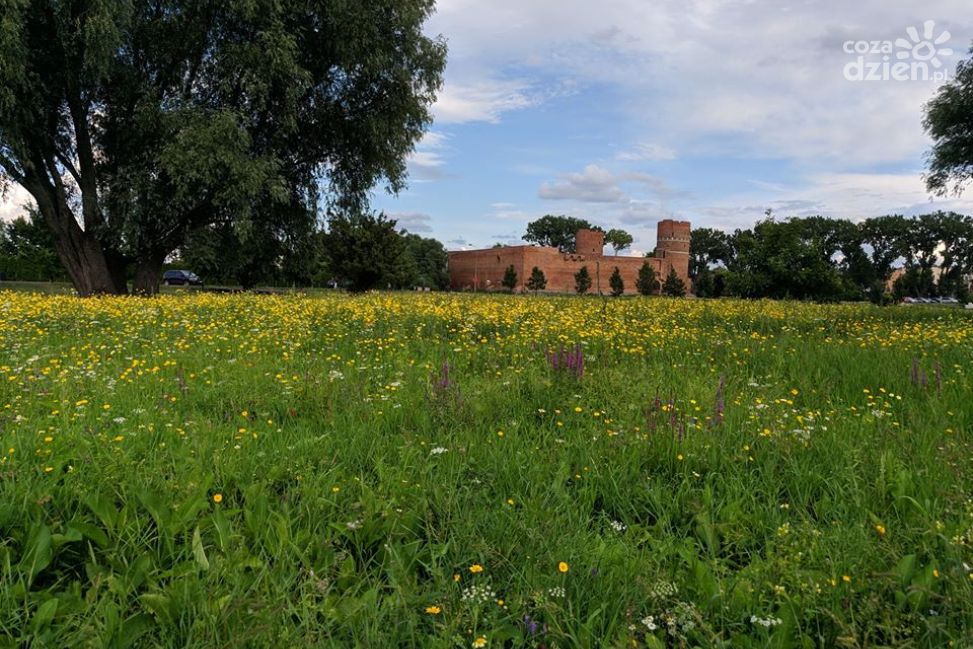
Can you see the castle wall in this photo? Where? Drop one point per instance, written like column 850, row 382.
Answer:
column 483, row 270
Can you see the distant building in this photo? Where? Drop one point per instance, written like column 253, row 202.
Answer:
column 482, row 270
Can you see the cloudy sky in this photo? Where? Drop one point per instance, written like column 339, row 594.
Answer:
column 628, row 111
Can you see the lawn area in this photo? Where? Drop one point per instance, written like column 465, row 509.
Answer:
column 444, row 470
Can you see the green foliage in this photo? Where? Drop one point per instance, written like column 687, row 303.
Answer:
column 618, row 239
column 948, row 123
column 647, row 283
column 509, row 281
column 616, row 283
column 556, row 231
column 365, row 251
column 536, row 282
column 708, row 247
column 825, row 259
column 27, row 251
column 157, row 119
column 673, row 286
column 429, row 259
column 582, row 280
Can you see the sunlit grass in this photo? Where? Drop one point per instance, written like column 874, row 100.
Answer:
column 202, row 470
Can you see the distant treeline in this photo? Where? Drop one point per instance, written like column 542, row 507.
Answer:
column 823, row 259
column 358, row 253
column 27, row 252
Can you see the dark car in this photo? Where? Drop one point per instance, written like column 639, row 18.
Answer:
column 181, row 278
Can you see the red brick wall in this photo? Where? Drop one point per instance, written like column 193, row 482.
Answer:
column 483, row 270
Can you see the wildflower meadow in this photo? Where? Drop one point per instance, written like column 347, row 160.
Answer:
column 447, row 470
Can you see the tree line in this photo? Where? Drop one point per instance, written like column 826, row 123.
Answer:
column 824, row 259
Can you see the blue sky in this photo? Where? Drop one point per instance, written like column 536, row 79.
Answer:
column 625, row 112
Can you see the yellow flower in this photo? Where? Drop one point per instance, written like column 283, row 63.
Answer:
column 217, row 498
column 433, row 610
column 880, row 529
column 479, row 642
column 846, row 579
column 563, row 566
column 475, row 568
column 456, row 577
column 335, row 489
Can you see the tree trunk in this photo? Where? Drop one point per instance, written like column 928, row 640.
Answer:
column 91, row 270
column 148, row 275
column 86, row 263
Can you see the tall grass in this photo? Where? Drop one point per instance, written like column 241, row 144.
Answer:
column 198, row 470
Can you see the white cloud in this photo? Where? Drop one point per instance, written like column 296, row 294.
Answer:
column 755, row 78
column 480, row 100
column 852, row 196
column 414, row 222
column 427, row 161
column 14, row 202
column 599, row 185
column 646, row 151
column 593, row 185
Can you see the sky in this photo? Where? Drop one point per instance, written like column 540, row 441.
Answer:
column 625, row 112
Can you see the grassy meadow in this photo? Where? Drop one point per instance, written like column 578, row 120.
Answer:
column 442, row 470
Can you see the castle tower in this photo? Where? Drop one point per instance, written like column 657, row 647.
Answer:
column 591, row 243
column 672, row 241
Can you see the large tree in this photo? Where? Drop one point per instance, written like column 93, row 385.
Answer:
column 366, row 252
column 618, row 239
column 556, row 231
column 949, row 122
column 132, row 123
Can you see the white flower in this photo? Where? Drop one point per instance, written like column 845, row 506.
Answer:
column 439, row 450
column 618, row 526
column 649, row 623
column 353, row 525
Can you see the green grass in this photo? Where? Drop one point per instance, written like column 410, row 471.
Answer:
column 200, row 470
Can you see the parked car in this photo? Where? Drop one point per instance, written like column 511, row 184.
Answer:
column 181, row 278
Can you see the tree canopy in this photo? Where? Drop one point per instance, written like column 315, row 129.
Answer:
column 618, row 239
column 948, row 121
column 134, row 123
column 556, row 231
column 818, row 258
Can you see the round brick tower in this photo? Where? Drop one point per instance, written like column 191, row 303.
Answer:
column 591, row 243
column 673, row 245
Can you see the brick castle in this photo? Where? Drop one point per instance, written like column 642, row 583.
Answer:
column 482, row 270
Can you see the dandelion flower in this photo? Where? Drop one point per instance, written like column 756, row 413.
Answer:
column 217, row 498
column 433, row 610
column 563, row 566
column 475, row 568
